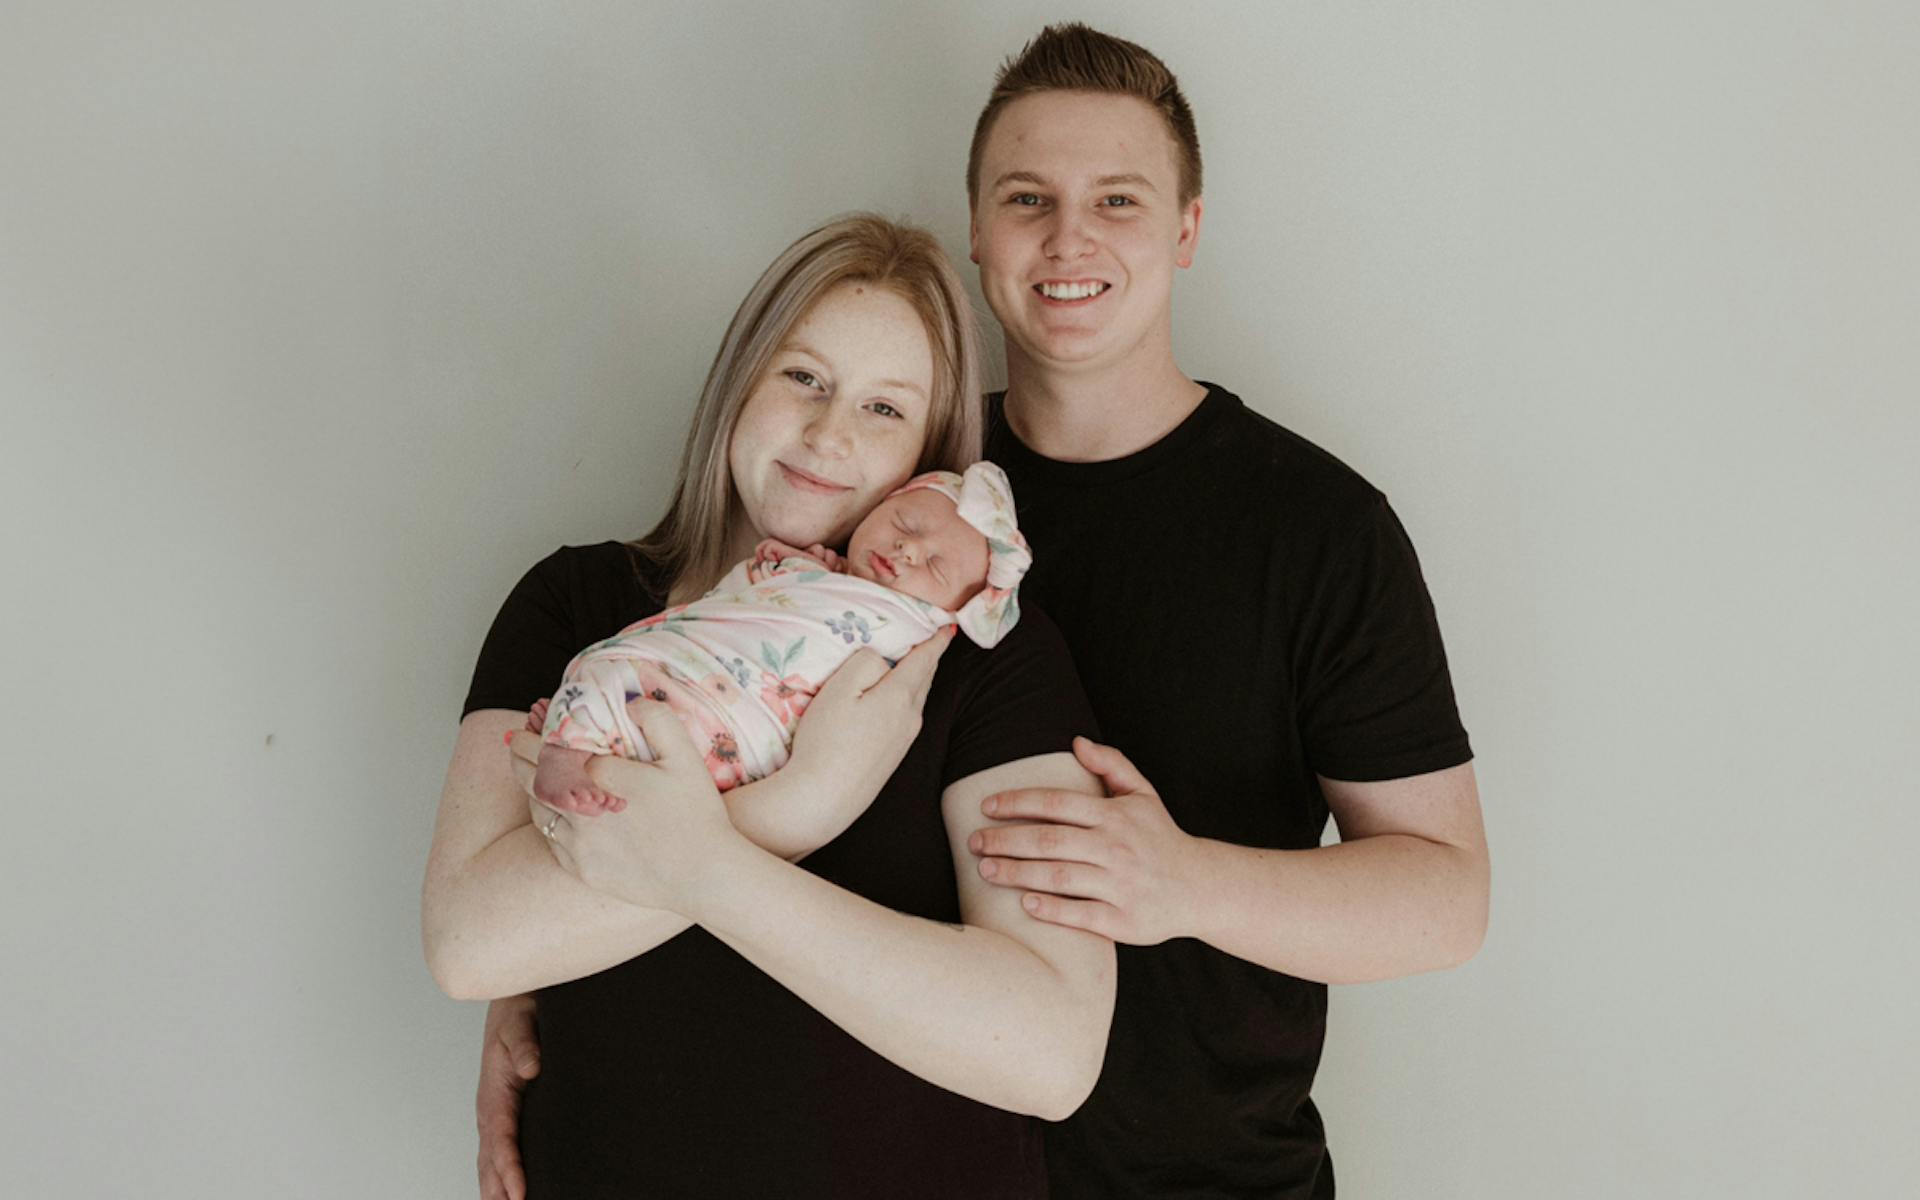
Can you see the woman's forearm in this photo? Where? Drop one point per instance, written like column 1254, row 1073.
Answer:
column 499, row 915
column 966, row 1007
column 1004, row 1009
column 510, row 920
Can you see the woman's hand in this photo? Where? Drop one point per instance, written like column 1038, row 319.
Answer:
column 668, row 842
column 856, row 730
column 852, row 735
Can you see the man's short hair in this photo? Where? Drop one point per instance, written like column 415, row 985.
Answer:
column 1076, row 58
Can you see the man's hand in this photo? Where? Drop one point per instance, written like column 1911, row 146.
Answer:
column 1117, row 867
column 509, row 1057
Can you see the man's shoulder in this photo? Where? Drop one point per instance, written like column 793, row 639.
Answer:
column 1254, row 451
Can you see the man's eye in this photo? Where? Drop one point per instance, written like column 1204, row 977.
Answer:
column 804, row 378
column 1024, row 199
column 1117, row 201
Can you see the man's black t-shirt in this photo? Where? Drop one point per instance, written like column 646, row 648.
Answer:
column 1247, row 615
column 687, row 1071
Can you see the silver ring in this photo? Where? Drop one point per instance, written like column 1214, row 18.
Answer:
column 547, row 829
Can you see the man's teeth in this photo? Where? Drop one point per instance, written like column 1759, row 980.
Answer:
column 1071, row 291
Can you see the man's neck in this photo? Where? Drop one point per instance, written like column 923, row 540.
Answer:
column 1096, row 416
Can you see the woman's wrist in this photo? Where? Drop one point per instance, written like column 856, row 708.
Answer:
column 731, row 866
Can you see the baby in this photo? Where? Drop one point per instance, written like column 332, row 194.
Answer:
column 739, row 665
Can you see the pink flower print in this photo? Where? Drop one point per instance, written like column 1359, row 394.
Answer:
column 723, row 762
column 785, row 698
column 722, row 688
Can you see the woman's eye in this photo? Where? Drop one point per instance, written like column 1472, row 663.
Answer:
column 884, row 409
column 804, row 378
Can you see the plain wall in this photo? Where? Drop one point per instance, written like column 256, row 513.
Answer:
column 319, row 323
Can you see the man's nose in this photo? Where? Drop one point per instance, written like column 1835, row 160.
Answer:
column 1067, row 234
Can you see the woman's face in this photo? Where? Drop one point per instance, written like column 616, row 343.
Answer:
column 837, row 421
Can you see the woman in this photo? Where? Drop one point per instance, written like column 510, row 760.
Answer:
column 839, row 1029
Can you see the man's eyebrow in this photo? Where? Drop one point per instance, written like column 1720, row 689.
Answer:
column 1128, row 179
column 1018, row 177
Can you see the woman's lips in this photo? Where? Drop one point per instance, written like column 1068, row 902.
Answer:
column 808, row 482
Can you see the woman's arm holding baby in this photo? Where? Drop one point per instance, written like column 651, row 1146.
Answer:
column 498, row 916
column 1001, row 1009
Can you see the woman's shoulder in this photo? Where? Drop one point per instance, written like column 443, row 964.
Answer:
column 573, row 597
column 596, row 567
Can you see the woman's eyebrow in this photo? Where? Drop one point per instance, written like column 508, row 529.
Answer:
column 904, row 385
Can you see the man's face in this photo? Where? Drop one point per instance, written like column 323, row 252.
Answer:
column 1078, row 227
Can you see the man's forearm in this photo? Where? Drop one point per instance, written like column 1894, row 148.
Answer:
column 1374, row 908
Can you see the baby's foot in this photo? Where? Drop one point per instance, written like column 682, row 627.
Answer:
column 560, row 781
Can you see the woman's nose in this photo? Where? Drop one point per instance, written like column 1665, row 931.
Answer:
column 829, row 432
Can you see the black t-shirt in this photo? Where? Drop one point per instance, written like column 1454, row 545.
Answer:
column 687, row 1071
column 1246, row 614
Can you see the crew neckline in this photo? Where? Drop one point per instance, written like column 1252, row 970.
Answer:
column 1217, row 403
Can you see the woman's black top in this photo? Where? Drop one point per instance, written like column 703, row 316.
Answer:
column 687, row 1071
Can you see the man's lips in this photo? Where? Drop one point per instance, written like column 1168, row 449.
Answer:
column 880, row 565
column 807, row 481
column 1070, row 293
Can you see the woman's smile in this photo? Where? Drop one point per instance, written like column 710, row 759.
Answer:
column 807, row 481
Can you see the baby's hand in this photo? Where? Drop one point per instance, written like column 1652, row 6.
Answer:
column 537, row 718
column 827, row 558
column 774, row 550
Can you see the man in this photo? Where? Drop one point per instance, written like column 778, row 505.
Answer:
column 1250, row 623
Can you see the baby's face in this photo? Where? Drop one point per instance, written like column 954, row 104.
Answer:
column 917, row 543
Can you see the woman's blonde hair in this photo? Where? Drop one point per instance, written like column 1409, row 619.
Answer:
column 690, row 542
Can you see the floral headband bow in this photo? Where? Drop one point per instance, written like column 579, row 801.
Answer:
column 984, row 499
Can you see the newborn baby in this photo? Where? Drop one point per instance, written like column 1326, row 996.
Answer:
column 739, row 665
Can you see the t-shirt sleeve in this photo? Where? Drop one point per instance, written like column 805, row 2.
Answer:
column 530, row 643
column 1378, row 700
column 1025, row 700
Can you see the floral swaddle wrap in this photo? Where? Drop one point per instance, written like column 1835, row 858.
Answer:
column 739, row 665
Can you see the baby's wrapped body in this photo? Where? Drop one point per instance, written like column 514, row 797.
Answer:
column 737, row 666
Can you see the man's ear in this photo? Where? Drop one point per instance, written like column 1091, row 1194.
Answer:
column 1189, row 233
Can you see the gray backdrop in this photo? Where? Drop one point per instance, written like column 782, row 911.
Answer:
column 318, row 326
